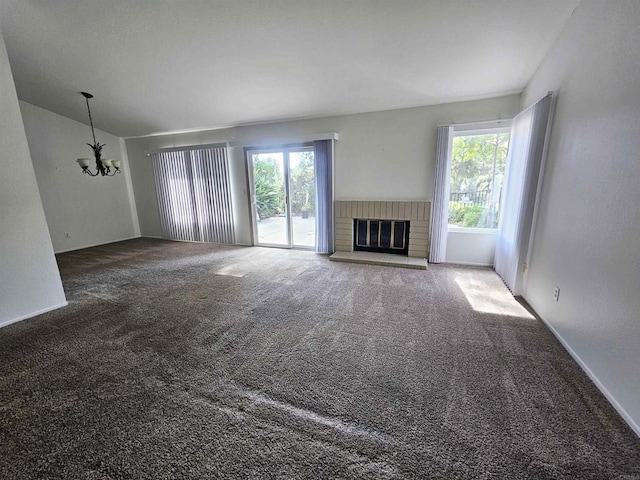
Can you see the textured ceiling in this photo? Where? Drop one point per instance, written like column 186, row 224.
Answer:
column 158, row 65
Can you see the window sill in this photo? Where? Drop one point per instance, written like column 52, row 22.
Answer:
column 486, row 231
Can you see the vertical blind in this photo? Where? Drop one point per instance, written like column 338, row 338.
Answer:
column 438, row 245
column 194, row 195
column 323, row 155
column 526, row 147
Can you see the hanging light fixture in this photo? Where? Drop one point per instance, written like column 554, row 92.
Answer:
column 103, row 165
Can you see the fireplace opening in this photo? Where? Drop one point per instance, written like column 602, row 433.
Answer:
column 384, row 236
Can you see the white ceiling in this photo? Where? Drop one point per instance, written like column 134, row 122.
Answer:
column 162, row 65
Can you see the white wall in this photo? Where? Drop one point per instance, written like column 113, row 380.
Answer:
column 29, row 278
column 471, row 248
column 587, row 239
column 91, row 210
column 386, row 155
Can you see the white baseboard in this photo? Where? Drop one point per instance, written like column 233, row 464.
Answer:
column 32, row 314
column 470, row 264
column 144, row 236
column 623, row 413
column 96, row 244
column 195, row 241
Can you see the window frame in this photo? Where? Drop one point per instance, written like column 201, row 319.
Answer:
column 504, row 127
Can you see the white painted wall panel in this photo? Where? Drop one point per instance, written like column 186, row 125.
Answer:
column 92, row 210
column 29, row 278
column 471, row 248
column 587, row 239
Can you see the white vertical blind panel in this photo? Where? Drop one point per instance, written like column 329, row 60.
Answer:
column 198, row 179
column 202, row 188
column 526, row 146
column 173, row 190
column 158, row 174
column 220, row 226
column 440, row 223
column 194, row 195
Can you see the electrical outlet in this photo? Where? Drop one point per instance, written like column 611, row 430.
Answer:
column 556, row 293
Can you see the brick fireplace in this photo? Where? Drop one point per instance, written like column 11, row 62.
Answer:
column 416, row 213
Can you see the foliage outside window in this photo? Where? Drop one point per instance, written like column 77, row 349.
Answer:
column 268, row 178
column 269, row 184
column 477, row 175
column 302, row 182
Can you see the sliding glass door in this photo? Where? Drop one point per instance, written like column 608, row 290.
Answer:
column 283, row 197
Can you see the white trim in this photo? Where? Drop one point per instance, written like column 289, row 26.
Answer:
column 33, row 314
column 98, row 244
column 278, row 142
column 482, row 131
column 479, row 125
column 623, row 413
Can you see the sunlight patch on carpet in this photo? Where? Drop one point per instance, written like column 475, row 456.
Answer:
column 495, row 301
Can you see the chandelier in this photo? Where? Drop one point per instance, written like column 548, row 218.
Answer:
column 103, row 165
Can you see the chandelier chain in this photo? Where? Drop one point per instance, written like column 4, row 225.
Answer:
column 91, row 121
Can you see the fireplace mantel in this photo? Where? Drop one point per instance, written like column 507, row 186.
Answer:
column 417, row 213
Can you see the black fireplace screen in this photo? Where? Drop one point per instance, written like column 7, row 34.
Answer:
column 386, row 236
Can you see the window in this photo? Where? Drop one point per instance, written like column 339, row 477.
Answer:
column 477, row 176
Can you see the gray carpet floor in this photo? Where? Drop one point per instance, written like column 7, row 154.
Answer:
column 177, row 360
